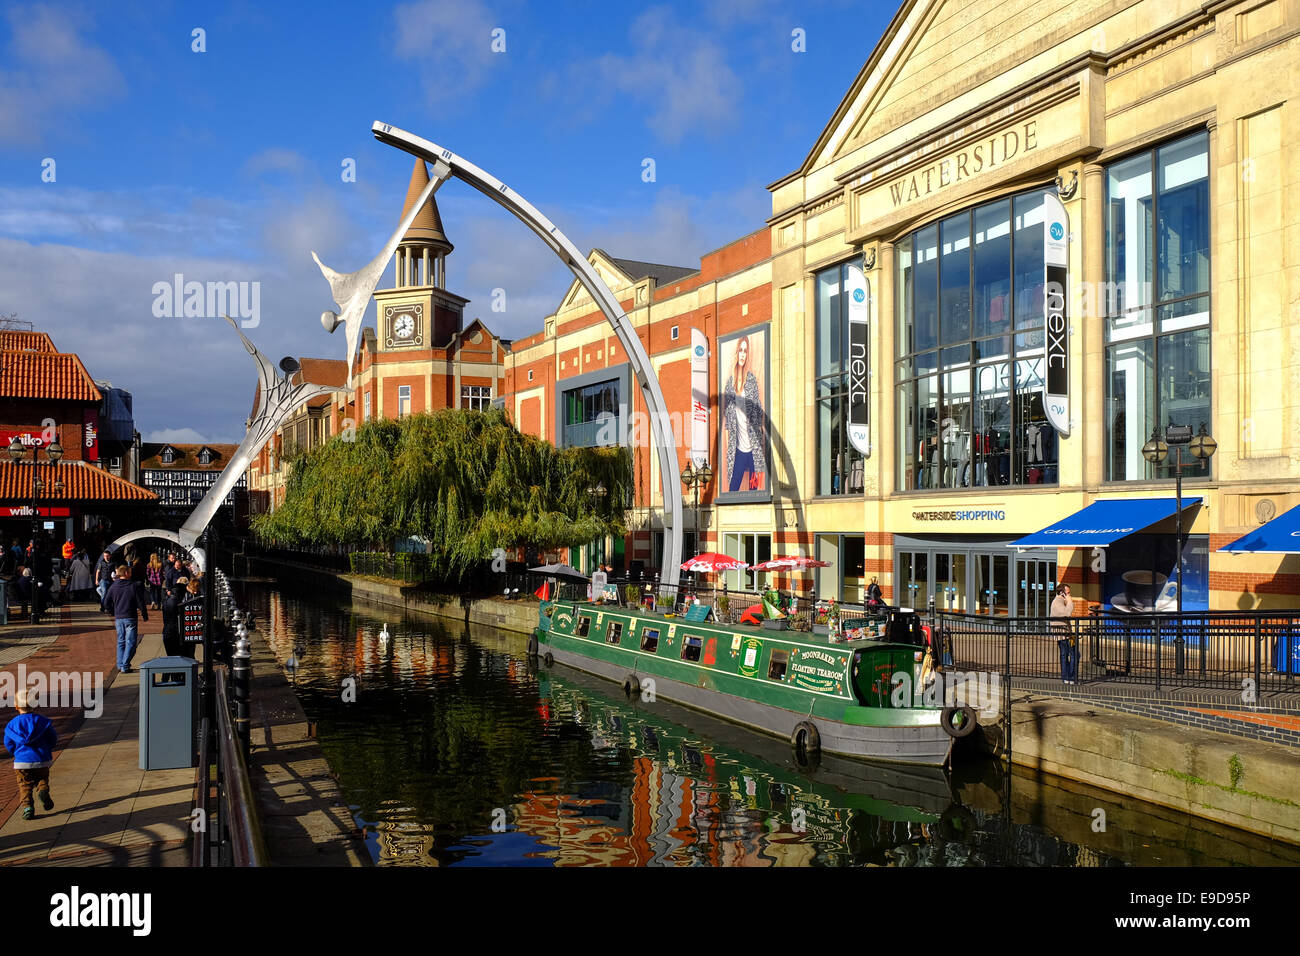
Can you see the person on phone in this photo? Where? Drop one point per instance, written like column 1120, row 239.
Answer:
column 1061, row 612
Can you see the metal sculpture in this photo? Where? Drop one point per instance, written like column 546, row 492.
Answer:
column 446, row 163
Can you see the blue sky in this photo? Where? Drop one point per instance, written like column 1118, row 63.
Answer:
column 226, row 164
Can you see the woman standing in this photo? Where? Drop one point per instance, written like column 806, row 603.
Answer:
column 745, row 423
column 1062, row 611
column 80, row 584
column 154, row 578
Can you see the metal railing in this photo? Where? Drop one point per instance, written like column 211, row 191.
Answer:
column 234, row 838
column 1209, row 649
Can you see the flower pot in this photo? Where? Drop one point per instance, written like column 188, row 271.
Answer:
column 778, row 625
column 821, row 628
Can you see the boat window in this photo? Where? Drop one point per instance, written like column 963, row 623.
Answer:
column 615, row 632
column 691, row 646
column 776, row 665
column 584, row 625
column 650, row 639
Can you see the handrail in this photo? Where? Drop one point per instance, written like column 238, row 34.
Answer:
column 248, row 847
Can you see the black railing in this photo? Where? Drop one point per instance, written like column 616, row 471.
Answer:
column 1243, row 651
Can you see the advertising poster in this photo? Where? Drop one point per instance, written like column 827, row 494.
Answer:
column 743, row 402
column 1142, row 575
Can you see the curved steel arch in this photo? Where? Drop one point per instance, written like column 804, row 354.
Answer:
column 200, row 556
column 446, row 163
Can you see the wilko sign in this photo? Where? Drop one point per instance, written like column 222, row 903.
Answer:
column 90, row 433
column 26, row 439
column 25, row 511
column 192, row 621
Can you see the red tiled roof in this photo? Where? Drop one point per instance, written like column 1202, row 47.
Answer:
column 50, row 375
column 11, row 341
column 332, row 372
column 81, row 482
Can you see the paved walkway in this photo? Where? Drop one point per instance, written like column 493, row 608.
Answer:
column 107, row 812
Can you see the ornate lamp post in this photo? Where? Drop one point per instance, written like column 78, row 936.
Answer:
column 55, row 453
column 1156, row 451
column 596, row 494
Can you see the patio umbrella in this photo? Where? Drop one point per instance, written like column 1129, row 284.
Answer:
column 710, row 562
column 796, row 562
column 560, row 571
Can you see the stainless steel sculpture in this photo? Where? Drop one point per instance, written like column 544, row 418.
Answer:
column 446, row 163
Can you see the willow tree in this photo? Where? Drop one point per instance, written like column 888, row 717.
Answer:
column 466, row 481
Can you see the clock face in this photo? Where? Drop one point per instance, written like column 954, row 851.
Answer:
column 404, row 326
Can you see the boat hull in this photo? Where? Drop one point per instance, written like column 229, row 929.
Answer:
column 922, row 740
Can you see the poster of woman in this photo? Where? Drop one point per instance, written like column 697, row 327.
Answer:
column 743, row 370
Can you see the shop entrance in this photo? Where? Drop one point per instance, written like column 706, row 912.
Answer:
column 985, row 577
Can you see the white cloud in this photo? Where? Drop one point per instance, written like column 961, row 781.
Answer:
column 450, row 43
column 180, row 436
column 50, row 70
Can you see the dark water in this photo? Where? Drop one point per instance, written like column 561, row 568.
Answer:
column 453, row 748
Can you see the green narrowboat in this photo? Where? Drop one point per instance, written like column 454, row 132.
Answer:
column 837, row 697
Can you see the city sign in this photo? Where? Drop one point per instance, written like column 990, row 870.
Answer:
column 1178, row 434
column 192, row 621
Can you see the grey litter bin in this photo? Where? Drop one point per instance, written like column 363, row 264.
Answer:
column 169, row 705
column 4, row 602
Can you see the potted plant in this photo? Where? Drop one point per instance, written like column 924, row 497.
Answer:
column 724, row 607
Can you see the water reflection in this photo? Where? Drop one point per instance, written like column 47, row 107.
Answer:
column 453, row 749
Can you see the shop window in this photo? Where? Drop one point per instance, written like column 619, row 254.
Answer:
column 1155, row 301
column 776, row 665
column 592, row 415
column 650, row 640
column 752, row 549
column 969, row 370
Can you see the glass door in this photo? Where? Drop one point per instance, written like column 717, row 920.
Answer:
column 1036, row 579
column 914, row 578
column 957, row 584
column 991, row 594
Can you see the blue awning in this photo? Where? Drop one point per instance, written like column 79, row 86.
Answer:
column 1279, row 536
column 1104, row 522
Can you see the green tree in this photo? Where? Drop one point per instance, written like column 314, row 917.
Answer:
column 467, row 481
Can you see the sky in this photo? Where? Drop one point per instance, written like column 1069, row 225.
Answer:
column 226, row 142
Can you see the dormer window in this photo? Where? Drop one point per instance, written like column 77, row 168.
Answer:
column 205, row 457
column 168, row 455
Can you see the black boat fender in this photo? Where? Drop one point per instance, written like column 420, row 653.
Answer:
column 805, row 738
column 532, row 644
column 958, row 722
column 957, row 825
column 631, row 686
column 549, row 660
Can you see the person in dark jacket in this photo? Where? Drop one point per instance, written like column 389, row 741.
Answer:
column 171, row 617
column 41, row 575
column 126, row 598
column 30, row 738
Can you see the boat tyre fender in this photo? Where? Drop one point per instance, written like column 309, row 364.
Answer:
column 549, row 660
column 958, row 722
column 805, row 738
column 957, row 824
column 631, row 686
column 532, row 644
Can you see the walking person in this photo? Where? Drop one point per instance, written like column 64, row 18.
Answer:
column 125, row 598
column 154, row 577
column 79, row 584
column 104, row 575
column 171, row 618
column 30, row 739
column 1061, row 612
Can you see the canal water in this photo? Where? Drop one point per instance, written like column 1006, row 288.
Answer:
column 452, row 748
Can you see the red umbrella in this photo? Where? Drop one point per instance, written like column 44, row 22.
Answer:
column 794, row 563
column 711, row 562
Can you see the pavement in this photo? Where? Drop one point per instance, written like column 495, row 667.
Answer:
column 107, row 811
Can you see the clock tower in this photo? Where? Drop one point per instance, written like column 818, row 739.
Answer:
column 418, row 313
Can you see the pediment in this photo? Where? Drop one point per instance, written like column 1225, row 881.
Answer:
column 609, row 273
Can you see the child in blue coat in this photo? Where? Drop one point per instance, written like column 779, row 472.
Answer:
column 31, row 738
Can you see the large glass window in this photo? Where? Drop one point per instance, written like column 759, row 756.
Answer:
column 592, row 415
column 839, row 464
column 1156, row 300
column 970, row 386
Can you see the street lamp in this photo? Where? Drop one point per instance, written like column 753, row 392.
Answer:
column 1156, row 451
column 54, row 452
column 695, row 480
column 596, row 494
